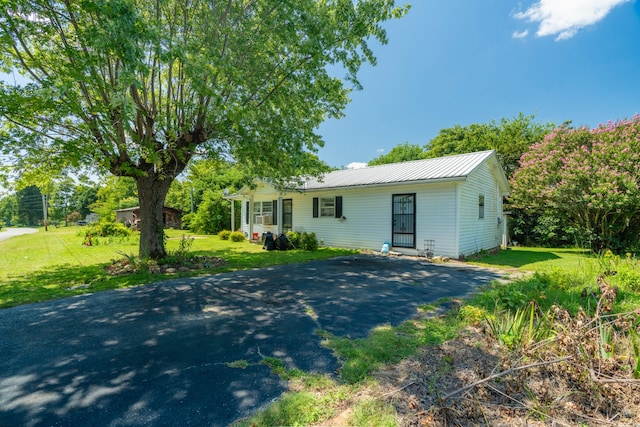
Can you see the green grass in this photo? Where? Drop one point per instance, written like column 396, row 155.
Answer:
column 373, row 412
column 55, row 264
column 561, row 277
column 386, row 344
column 536, row 259
column 293, row 409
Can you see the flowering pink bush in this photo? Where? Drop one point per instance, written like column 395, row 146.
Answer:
column 588, row 176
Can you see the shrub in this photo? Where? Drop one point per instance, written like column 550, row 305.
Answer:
column 74, row 216
column 187, row 220
column 224, row 235
column 237, row 236
column 309, row 241
column 108, row 229
column 213, row 213
column 294, row 238
column 472, row 314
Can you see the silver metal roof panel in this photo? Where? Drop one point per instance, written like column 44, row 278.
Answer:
column 437, row 169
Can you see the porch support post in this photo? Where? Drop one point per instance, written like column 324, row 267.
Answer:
column 233, row 215
column 250, row 218
column 280, row 214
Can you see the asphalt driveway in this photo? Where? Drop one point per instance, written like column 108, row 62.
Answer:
column 159, row 354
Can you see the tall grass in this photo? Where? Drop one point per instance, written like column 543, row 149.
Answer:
column 564, row 277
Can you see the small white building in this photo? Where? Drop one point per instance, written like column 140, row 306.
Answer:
column 453, row 201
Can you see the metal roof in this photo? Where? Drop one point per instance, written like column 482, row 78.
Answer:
column 438, row 169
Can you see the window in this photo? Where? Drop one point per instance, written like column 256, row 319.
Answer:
column 263, row 209
column 481, row 206
column 267, row 208
column 327, row 207
column 257, row 211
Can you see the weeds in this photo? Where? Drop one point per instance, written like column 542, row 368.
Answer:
column 635, row 344
column 373, row 412
column 387, row 344
column 522, row 328
column 297, row 408
column 184, row 248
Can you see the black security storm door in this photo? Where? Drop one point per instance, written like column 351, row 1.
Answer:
column 404, row 221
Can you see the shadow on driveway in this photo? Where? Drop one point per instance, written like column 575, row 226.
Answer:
column 159, row 354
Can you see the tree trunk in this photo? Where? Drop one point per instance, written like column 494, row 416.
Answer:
column 152, row 193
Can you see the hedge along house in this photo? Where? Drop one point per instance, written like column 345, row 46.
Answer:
column 454, row 201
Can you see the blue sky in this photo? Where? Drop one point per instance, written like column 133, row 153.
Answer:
column 461, row 62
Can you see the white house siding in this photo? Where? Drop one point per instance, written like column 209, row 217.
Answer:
column 368, row 212
column 446, row 207
column 477, row 234
column 367, row 222
column 437, row 213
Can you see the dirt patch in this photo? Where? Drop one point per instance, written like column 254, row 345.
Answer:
column 429, row 389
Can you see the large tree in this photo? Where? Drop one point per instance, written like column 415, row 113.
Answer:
column 138, row 87
column 510, row 138
column 588, row 177
column 400, row 153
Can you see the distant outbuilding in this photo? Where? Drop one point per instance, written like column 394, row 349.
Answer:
column 172, row 218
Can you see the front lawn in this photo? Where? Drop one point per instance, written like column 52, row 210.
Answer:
column 536, row 259
column 56, row 264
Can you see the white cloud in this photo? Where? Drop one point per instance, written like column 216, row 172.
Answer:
column 380, row 150
column 356, row 165
column 520, row 34
column 564, row 18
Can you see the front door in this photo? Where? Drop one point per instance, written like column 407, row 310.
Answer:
column 404, row 221
column 287, row 215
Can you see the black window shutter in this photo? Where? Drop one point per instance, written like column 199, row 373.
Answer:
column 247, row 213
column 315, row 207
column 275, row 212
column 338, row 206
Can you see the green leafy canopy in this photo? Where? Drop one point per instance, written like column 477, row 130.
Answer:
column 138, row 87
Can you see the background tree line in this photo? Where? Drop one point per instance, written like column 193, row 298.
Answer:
column 570, row 186
column 199, row 194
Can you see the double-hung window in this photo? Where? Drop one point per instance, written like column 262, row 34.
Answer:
column 264, row 209
column 327, row 207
